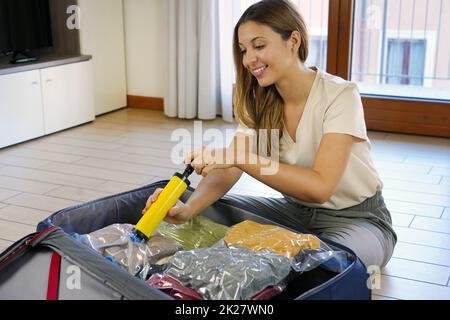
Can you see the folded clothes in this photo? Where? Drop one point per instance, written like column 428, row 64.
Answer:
column 176, row 290
column 199, row 232
column 268, row 293
column 255, row 236
column 173, row 287
column 114, row 242
column 228, row 273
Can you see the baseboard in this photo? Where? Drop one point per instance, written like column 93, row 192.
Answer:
column 145, row 102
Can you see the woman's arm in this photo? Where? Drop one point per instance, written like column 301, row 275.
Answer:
column 315, row 185
column 212, row 187
column 209, row 190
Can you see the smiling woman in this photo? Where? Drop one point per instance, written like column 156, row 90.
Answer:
column 324, row 167
column 263, row 44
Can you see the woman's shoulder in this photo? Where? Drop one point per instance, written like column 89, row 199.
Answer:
column 333, row 87
column 334, row 83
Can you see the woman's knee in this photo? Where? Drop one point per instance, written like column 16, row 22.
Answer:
column 370, row 249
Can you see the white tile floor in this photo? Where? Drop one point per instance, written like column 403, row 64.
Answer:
column 132, row 147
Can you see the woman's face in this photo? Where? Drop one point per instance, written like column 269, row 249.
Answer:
column 265, row 54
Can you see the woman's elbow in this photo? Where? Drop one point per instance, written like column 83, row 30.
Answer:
column 322, row 196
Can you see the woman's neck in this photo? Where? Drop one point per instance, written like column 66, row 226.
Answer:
column 295, row 87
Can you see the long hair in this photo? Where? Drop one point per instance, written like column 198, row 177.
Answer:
column 262, row 107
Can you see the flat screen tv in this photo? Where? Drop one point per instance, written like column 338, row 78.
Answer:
column 24, row 27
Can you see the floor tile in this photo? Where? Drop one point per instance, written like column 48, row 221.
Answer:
column 427, row 238
column 6, row 194
column 50, row 177
column 40, row 202
column 446, row 214
column 23, row 215
column 96, row 173
column 13, row 231
column 4, row 244
column 406, row 289
column 422, row 253
column 417, row 271
column 401, row 219
column 414, row 208
column 25, row 185
column 116, row 187
column 431, row 224
column 77, row 194
column 22, row 161
column 438, row 189
column 23, row 151
column 417, row 197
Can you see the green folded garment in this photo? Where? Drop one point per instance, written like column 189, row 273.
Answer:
column 199, row 232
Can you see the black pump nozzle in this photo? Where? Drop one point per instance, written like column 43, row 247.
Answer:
column 188, row 171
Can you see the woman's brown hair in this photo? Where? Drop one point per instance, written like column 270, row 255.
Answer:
column 259, row 107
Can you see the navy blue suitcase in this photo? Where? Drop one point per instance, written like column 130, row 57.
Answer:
column 56, row 234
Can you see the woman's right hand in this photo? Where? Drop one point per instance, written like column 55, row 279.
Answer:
column 178, row 214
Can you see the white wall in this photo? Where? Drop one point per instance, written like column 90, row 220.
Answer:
column 102, row 36
column 145, row 45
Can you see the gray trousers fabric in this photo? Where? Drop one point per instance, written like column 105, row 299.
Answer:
column 365, row 228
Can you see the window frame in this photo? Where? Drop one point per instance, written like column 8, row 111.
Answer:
column 382, row 113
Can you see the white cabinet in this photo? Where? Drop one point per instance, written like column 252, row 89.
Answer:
column 21, row 115
column 42, row 101
column 67, row 95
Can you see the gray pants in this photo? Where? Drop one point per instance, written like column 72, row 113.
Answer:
column 365, row 228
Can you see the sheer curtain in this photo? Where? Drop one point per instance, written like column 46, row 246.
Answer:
column 230, row 12
column 194, row 81
column 200, row 59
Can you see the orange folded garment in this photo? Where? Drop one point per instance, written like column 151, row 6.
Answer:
column 255, row 236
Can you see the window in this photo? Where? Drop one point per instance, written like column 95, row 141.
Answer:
column 317, row 52
column 406, row 62
column 400, row 48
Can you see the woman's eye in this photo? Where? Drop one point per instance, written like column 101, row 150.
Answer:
column 259, row 47
column 243, row 51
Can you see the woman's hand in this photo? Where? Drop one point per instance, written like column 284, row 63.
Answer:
column 178, row 214
column 204, row 160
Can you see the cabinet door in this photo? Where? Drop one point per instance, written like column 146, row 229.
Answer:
column 20, row 107
column 68, row 97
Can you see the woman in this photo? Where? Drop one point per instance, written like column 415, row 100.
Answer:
column 325, row 170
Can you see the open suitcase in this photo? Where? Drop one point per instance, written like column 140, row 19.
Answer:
column 50, row 264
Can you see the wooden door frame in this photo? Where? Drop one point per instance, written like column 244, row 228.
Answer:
column 391, row 114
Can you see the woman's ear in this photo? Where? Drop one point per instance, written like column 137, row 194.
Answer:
column 295, row 40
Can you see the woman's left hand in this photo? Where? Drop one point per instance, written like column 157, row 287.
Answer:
column 204, row 160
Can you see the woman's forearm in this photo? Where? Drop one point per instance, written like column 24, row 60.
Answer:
column 304, row 184
column 213, row 187
column 316, row 184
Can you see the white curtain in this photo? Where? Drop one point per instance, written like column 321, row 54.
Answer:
column 199, row 84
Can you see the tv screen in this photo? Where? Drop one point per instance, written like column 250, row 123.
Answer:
column 24, row 25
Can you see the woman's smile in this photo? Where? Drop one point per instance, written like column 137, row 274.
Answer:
column 260, row 71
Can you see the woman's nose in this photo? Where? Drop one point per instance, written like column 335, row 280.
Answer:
column 250, row 58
